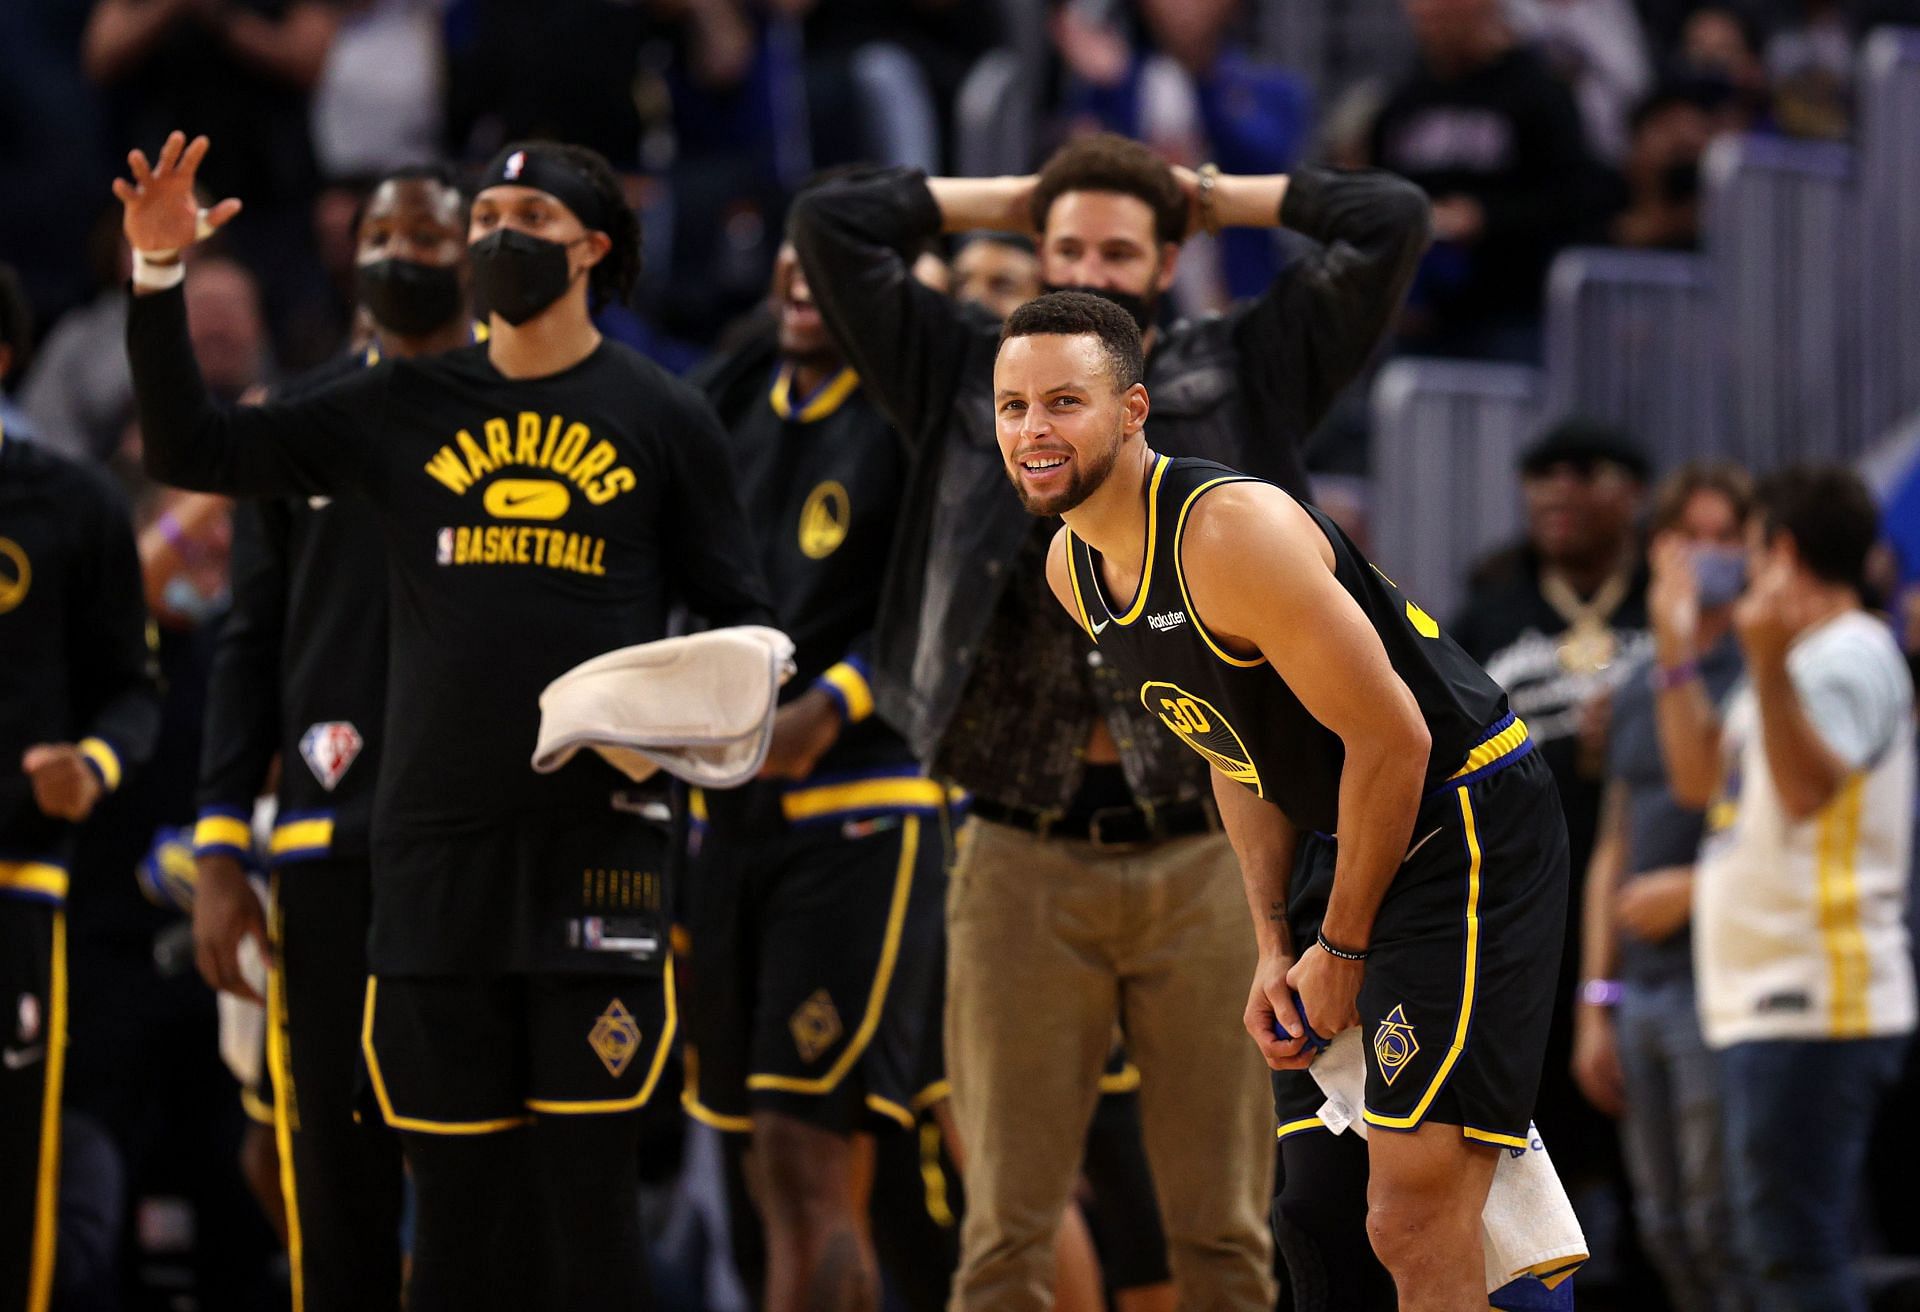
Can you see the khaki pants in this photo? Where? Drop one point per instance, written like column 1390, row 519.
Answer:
column 1050, row 943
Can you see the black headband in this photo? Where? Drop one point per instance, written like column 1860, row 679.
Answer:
column 546, row 169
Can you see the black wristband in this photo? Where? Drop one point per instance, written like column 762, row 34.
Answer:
column 1341, row 953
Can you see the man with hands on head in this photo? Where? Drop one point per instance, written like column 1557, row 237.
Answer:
column 1401, row 845
column 545, row 497
column 301, row 673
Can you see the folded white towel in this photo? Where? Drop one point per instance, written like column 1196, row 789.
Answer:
column 699, row 707
column 1527, row 1227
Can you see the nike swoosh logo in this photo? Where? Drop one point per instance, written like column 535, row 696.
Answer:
column 511, row 501
column 20, row 1058
column 1101, row 627
column 319, row 503
column 1422, row 843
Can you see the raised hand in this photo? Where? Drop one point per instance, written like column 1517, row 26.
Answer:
column 159, row 211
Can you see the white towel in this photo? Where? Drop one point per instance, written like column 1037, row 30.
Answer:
column 699, row 707
column 1527, row 1227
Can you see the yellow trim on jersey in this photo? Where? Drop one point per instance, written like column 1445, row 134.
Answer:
column 853, row 689
column 104, row 758
column 831, row 396
column 1301, row 1126
column 1124, row 1080
column 38, row 877
column 1079, row 601
column 861, row 795
column 1460, row 1028
column 937, row 1092
column 280, row 1115
column 46, row 1189
column 1488, row 1136
column 1838, row 900
column 416, row 1123
column 1180, row 573
column 882, row 979
column 301, row 836
column 222, row 831
column 697, row 804
column 1153, row 532
column 1507, row 741
column 661, row 1050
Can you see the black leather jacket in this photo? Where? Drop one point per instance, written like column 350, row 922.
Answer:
column 1245, row 389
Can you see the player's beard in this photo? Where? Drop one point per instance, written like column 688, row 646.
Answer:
column 1089, row 471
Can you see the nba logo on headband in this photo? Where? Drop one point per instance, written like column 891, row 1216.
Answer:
column 515, row 162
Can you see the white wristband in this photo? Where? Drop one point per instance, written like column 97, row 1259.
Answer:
column 148, row 275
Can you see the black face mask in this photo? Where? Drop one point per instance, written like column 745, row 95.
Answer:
column 1138, row 308
column 516, row 276
column 408, row 298
column 1680, row 181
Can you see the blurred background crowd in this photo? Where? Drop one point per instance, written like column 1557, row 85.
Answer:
column 1664, row 231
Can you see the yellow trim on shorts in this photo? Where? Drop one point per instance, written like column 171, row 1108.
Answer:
column 1489, row 1136
column 862, row 795
column 1413, row 1119
column 41, row 878
column 280, row 1115
column 418, row 1125
column 661, row 1050
column 222, row 831
column 104, row 759
column 1180, row 573
column 933, row 1177
column 882, row 979
column 691, row 1104
column 1507, row 741
column 46, row 1189
column 1079, row 601
column 258, row 1109
column 893, row 1111
column 1301, row 1126
column 1124, row 1080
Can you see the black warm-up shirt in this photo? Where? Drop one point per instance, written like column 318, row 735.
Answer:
column 528, row 524
column 75, row 663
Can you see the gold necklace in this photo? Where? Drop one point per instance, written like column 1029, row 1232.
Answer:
column 1588, row 645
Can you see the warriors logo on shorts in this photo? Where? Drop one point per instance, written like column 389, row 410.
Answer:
column 615, row 1037
column 815, row 1025
column 1393, row 1044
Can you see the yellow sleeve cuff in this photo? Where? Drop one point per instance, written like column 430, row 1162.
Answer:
column 104, row 760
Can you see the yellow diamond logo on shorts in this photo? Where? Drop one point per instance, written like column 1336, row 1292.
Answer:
column 1393, row 1044
column 615, row 1037
column 815, row 1025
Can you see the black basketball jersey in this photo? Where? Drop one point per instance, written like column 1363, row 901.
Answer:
column 1238, row 713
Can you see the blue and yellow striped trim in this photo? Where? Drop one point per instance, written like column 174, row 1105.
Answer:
column 830, row 395
column 1505, row 743
column 222, row 831
column 43, row 881
column 301, row 836
column 847, row 684
column 1290, row 1128
column 884, row 791
column 99, row 754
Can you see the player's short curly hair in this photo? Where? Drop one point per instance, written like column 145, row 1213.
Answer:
column 1073, row 314
column 1106, row 161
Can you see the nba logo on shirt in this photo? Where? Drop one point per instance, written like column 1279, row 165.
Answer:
column 329, row 749
column 443, row 548
column 515, row 162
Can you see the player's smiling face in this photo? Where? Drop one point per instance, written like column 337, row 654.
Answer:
column 1061, row 420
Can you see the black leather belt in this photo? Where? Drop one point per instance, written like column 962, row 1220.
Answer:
column 1108, row 826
